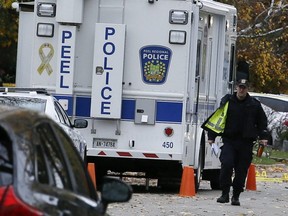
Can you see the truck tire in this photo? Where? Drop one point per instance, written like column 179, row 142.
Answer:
column 215, row 184
column 85, row 157
column 214, row 180
column 198, row 172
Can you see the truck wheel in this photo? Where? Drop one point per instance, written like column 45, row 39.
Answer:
column 199, row 170
column 215, row 184
column 214, row 180
column 100, row 173
column 85, row 157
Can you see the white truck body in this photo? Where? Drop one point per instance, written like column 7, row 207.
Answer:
column 144, row 73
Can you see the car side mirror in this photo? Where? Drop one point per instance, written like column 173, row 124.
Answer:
column 115, row 190
column 80, row 123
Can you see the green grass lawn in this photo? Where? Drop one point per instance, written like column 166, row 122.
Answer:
column 271, row 157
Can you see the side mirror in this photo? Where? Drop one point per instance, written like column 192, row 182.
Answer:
column 115, row 190
column 80, row 123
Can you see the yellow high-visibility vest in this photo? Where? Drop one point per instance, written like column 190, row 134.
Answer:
column 216, row 122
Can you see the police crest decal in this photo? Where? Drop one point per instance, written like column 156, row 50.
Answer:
column 155, row 61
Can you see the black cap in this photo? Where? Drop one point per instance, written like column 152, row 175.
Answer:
column 243, row 82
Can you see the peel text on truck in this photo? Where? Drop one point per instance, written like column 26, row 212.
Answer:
column 144, row 73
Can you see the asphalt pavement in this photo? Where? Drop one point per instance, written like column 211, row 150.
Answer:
column 269, row 198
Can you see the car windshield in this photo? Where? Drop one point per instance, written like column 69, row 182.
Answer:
column 274, row 103
column 36, row 104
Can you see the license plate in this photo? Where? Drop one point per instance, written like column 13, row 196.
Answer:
column 104, row 143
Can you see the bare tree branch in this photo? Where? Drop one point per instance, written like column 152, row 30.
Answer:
column 274, row 31
column 272, row 12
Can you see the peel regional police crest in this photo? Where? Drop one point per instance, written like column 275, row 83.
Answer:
column 155, row 61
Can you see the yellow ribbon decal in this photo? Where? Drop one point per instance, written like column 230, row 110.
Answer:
column 45, row 58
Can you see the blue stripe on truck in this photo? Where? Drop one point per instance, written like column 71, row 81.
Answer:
column 128, row 109
column 169, row 111
column 70, row 102
column 166, row 111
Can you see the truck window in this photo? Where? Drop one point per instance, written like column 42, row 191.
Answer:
column 198, row 58
column 232, row 56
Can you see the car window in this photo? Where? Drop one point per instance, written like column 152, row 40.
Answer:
column 50, row 162
column 82, row 185
column 25, row 102
column 6, row 161
column 41, row 166
column 64, row 119
column 275, row 104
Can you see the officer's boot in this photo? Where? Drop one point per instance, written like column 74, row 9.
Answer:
column 235, row 198
column 224, row 198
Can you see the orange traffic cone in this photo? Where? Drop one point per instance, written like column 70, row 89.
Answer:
column 92, row 173
column 251, row 178
column 187, row 187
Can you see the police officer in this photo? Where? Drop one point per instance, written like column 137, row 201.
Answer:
column 245, row 122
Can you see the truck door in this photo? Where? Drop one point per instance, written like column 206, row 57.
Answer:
column 212, row 58
column 203, row 70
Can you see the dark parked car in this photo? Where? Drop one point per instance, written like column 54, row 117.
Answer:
column 41, row 172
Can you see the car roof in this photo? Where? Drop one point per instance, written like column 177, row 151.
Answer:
column 282, row 97
column 33, row 93
column 16, row 89
column 25, row 92
column 278, row 102
column 12, row 116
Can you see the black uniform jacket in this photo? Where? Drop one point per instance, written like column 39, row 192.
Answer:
column 245, row 119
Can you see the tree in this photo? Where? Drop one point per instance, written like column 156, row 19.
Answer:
column 262, row 42
column 8, row 40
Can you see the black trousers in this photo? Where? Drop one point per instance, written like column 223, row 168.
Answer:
column 236, row 155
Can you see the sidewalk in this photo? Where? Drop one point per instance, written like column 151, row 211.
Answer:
column 274, row 173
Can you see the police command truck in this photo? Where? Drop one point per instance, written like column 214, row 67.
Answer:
column 144, row 73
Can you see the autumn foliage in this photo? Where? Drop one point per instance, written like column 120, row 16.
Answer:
column 262, row 40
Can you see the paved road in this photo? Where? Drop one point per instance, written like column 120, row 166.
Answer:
column 269, row 198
